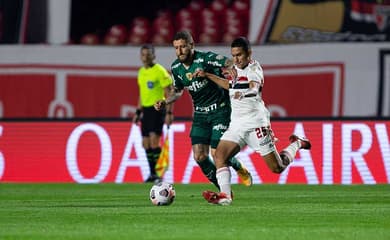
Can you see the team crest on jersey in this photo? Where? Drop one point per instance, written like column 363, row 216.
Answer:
column 189, row 76
column 253, row 67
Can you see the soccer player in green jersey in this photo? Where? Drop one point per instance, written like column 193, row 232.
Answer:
column 154, row 84
column 211, row 103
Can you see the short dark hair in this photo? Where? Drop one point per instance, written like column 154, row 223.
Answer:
column 185, row 35
column 149, row 47
column 241, row 42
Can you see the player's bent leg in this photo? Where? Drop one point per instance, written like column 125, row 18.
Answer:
column 209, row 170
column 274, row 162
column 288, row 154
column 229, row 148
column 278, row 162
column 225, row 197
column 201, row 156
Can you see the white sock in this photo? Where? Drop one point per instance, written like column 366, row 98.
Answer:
column 292, row 149
column 223, row 177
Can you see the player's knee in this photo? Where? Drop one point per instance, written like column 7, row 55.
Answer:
column 200, row 157
column 219, row 162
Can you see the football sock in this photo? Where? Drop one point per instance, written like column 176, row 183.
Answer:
column 153, row 154
column 235, row 163
column 156, row 154
column 209, row 170
column 149, row 156
column 224, row 177
column 289, row 152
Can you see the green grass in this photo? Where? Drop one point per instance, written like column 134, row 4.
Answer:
column 110, row 211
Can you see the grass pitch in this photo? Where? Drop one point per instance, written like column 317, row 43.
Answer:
column 123, row 211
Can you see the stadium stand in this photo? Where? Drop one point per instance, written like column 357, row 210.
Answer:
column 90, row 39
column 210, row 21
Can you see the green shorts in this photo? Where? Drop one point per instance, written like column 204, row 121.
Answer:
column 208, row 128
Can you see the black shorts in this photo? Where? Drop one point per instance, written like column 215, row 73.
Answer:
column 152, row 121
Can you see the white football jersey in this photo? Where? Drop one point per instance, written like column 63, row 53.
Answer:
column 248, row 112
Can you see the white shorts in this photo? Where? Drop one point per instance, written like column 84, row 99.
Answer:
column 260, row 140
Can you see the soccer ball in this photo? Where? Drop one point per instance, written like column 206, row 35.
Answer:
column 162, row 194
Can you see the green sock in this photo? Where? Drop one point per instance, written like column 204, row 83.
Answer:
column 209, row 170
column 151, row 160
column 235, row 163
column 155, row 154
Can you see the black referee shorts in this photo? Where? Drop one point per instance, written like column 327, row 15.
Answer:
column 152, row 121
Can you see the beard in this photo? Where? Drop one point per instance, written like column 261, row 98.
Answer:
column 184, row 58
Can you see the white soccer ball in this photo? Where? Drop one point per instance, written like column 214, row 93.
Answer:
column 162, row 194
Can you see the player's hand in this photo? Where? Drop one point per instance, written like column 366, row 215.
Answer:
column 238, row 95
column 229, row 73
column 160, row 104
column 199, row 73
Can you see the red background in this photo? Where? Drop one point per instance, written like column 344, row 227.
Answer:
column 95, row 95
column 36, row 152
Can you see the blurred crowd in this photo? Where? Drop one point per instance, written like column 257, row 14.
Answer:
column 210, row 22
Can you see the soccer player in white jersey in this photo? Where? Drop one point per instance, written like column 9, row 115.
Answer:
column 250, row 122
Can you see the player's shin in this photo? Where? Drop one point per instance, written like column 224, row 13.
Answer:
column 156, row 154
column 150, row 154
column 291, row 150
column 209, row 170
column 287, row 155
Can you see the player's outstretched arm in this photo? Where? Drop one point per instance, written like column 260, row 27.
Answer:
column 224, row 83
column 253, row 90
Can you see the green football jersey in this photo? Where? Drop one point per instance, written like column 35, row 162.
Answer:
column 206, row 95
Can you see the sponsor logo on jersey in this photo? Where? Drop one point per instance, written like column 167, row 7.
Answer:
column 214, row 63
column 212, row 107
column 219, row 57
column 198, row 60
column 266, row 142
column 220, row 127
column 196, row 85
